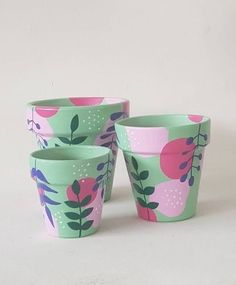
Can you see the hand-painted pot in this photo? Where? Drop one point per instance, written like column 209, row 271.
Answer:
column 164, row 156
column 76, row 121
column 71, row 184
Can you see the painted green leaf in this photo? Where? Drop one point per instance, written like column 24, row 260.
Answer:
column 148, row 190
column 85, row 201
column 87, row 225
column 76, row 187
column 78, row 140
column 74, row 225
column 142, row 202
column 135, row 176
column 64, row 140
column 144, row 175
column 138, row 188
column 86, row 212
column 72, row 215
column 134, row 163
column 74, row 123
column 72, row 204
column 152, row 205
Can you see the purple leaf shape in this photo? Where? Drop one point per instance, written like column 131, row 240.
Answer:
column 41, row 176
column 49, row 201
column 33, row 172
column 45, row 187
column 49, row 215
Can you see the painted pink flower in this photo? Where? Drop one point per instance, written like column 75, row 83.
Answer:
column 176, row 154
column 195, row 118
column 86, row 188
column 86, row 101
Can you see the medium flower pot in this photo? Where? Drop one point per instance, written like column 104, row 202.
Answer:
column 164, row 156
column 78, row 121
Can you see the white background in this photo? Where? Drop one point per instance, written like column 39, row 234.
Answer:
column 166, row 56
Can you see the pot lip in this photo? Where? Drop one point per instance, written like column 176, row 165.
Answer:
column 124, row 123
column 43, row 104
column 103, row 151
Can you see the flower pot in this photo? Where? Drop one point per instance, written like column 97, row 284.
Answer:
column 78, row 121
column 71, row 184
column 164, row 156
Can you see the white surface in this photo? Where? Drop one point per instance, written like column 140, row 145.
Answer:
column 165, row 56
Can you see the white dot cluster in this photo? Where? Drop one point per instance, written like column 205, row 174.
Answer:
column 94, row 120
column 81, row 171
column 123, row 137
column 174, row 197
column 132, row 136
column 58, row 218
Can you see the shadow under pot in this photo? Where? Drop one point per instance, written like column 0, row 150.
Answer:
column 78, row 121
column 71, row 195
column 164, row 157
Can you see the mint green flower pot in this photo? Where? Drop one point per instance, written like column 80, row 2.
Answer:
column 71, row 184
column 78, row 121
column 164, row 156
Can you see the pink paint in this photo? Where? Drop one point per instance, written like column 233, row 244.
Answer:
column 46, row 112
column 38, row 124
column 146, row 140
column 145, row 213
column 195, row 118
column 86, row 101
column 53, row 231
column 172, row 156
column 86, row 188
column 171, row 196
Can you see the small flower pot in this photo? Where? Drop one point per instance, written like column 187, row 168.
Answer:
column 164, row 156
column 76, row 121
column 71, row 184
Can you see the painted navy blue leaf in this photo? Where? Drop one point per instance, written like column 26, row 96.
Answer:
column 183, row 165
column 183, row 177
column 100, row 166
column 33, row 172
column 37, row 126
column 189, row 140
column 106, row 144
column 95, row 187
column 45, row 187
column 111, row 129
column 49, row 215
column 191, row 181
column 41, row 176
column 105, row 136
column 116, row 116
column 49, row 201
column 45, row 142
column 100, row 177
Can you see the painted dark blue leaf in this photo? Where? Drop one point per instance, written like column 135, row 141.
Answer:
column 205, row 137
column 49, row 201
column 111, row 129
column 46, row 188
column 200, row 156
column 183, row 177
column 49, row 215
column 116, row 116
column 95, row 187
column 102, row 193
column 106, row 144
column 105, row 136
column 191, row 181
column 183, row 165
column 45, row 142
column 37, row 126
column 100, row 177
column 100, row 166
column 189, row 140
column 33, row 172
column 41, row 176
